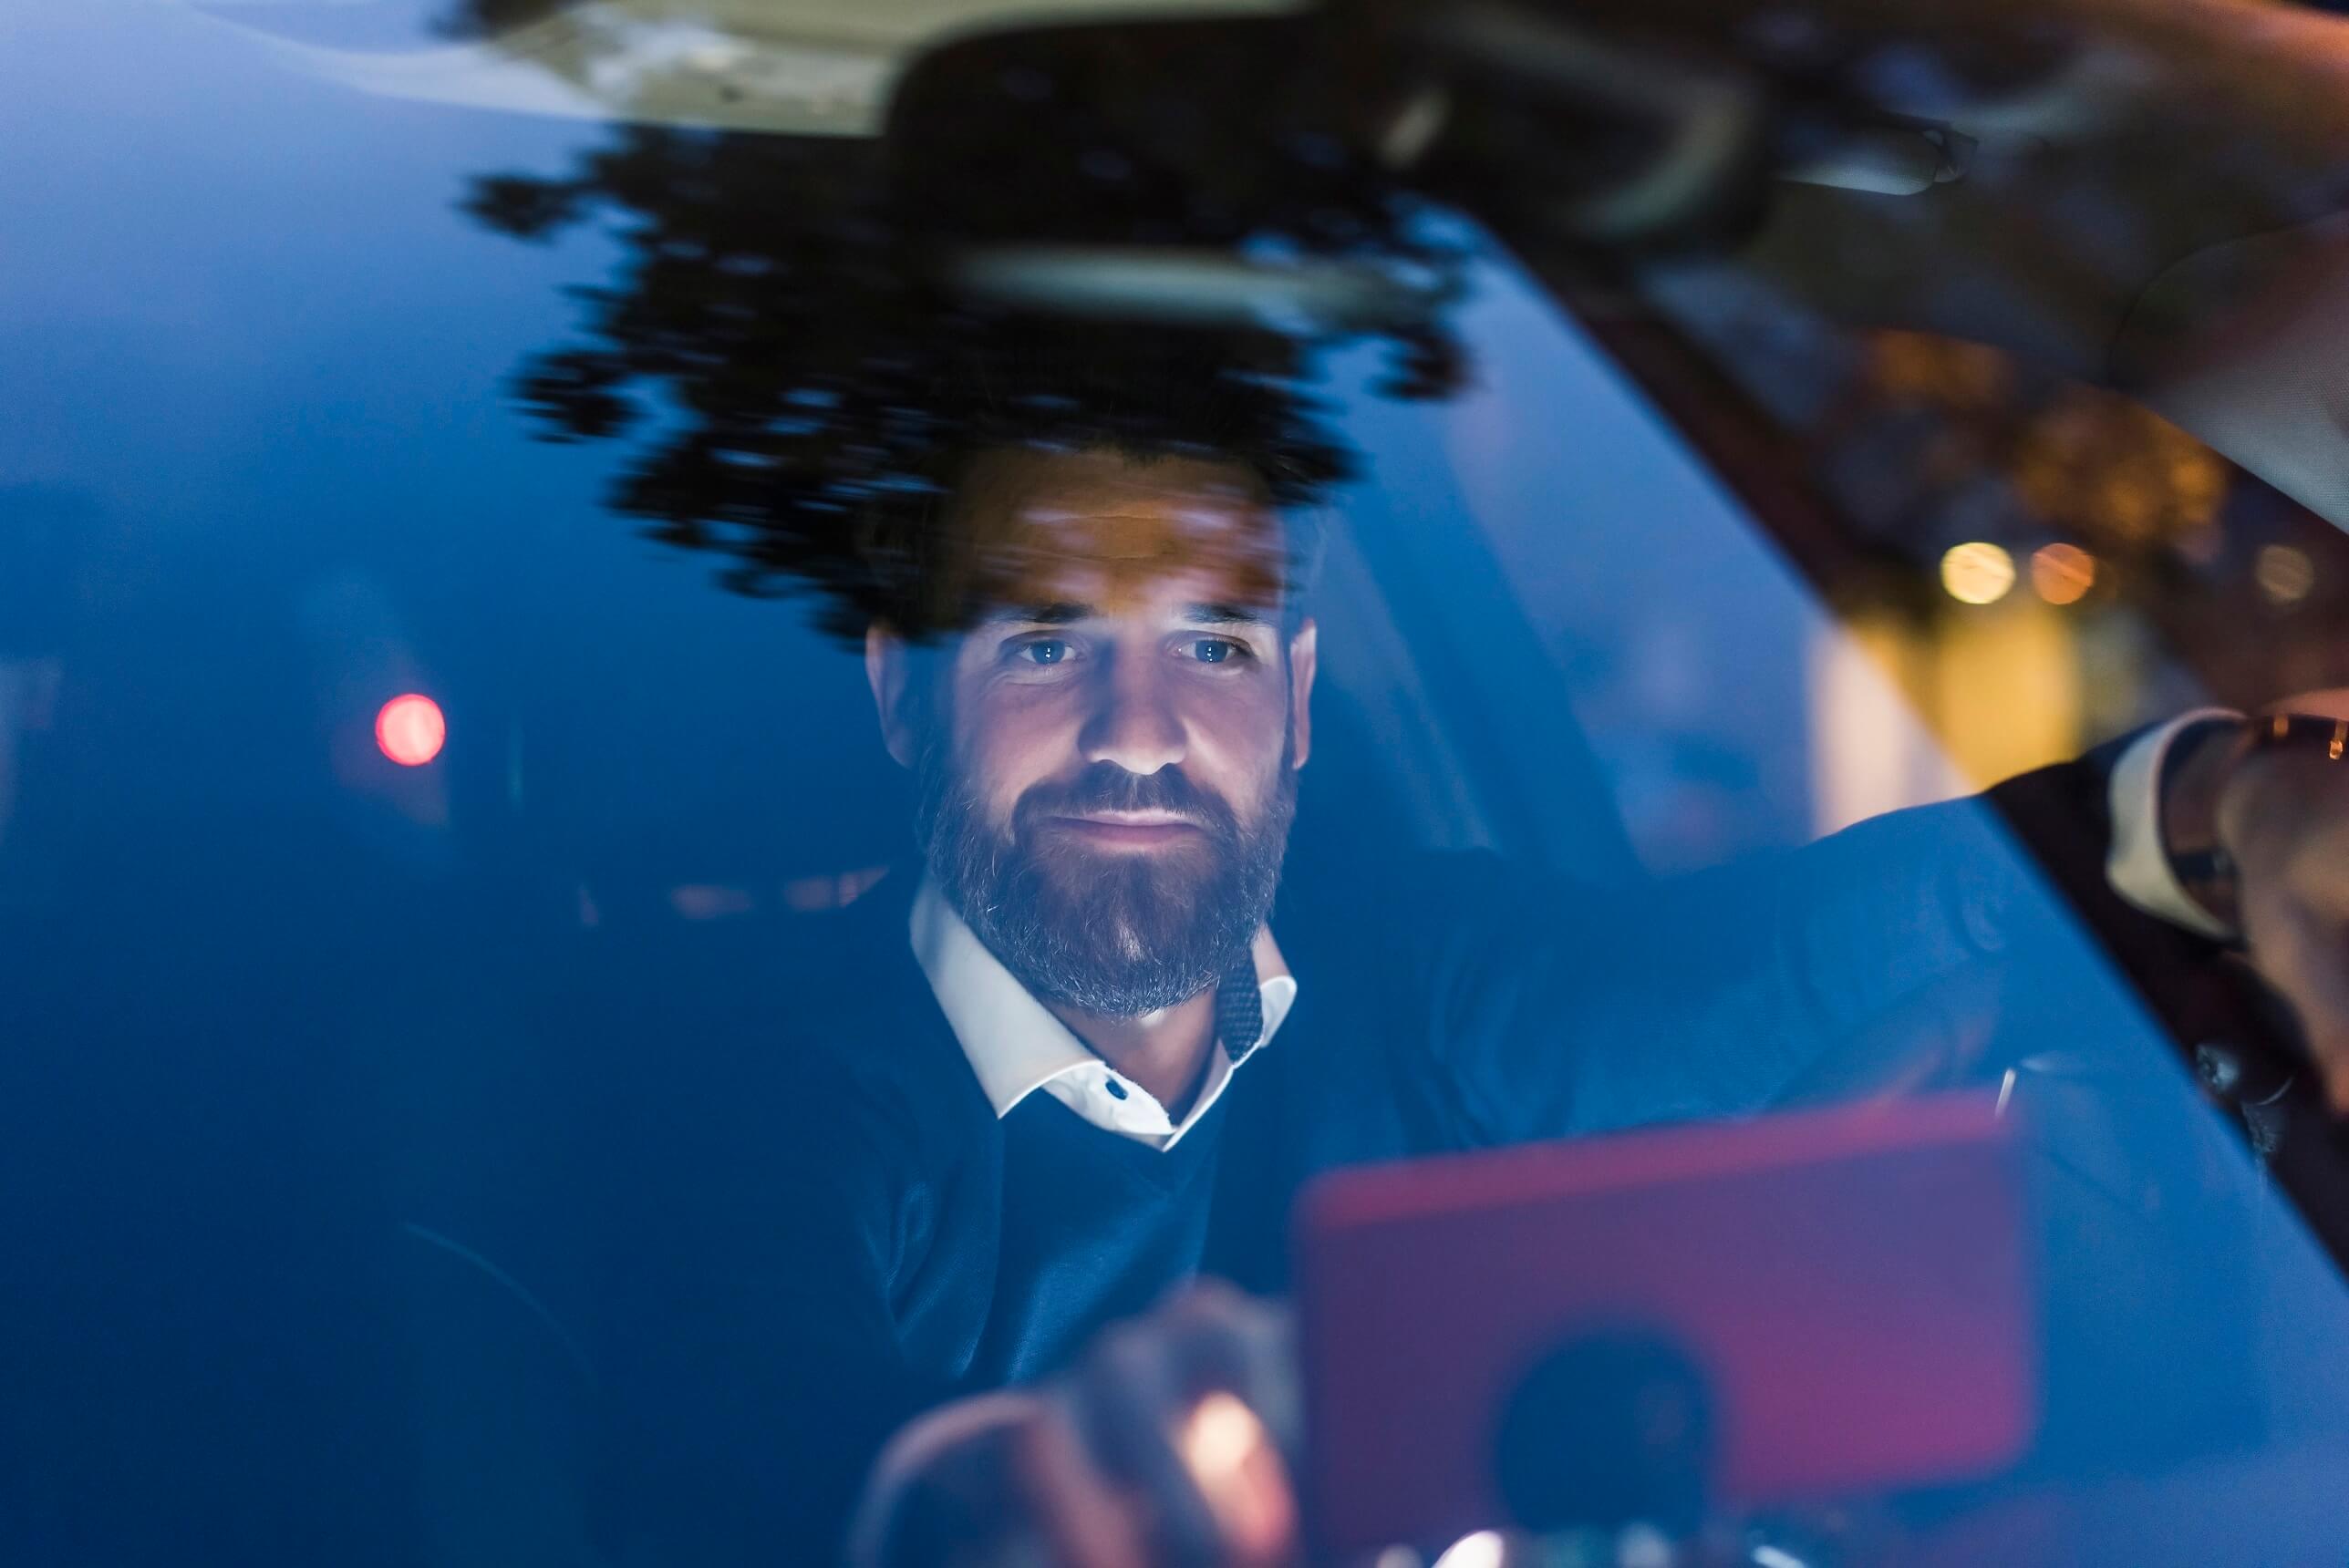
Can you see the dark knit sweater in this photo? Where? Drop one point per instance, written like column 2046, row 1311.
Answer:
column 1095, row 1227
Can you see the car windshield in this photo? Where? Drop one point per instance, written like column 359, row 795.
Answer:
column 531, row 531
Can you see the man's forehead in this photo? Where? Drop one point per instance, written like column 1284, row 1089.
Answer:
column 1103, row 530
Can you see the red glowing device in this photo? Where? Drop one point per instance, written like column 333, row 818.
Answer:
column 1843, row 1298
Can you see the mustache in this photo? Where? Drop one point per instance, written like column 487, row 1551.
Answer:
column 1106, row 787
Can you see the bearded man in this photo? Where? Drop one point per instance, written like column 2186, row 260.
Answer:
column 1047, row 1078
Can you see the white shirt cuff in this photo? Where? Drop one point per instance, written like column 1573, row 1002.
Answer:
column 2136, row 866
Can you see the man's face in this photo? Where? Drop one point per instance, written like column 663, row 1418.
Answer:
column 1107, row 760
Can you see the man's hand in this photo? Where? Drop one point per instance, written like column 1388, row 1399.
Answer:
column 1167, row 1443
column 2281, row 816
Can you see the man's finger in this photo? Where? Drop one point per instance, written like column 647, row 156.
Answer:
column 1239, row 1472
column 2305, row 957
column 1129, row 1399
column 1188, row 1408
column 1219, row 1338
column 1088, row 1521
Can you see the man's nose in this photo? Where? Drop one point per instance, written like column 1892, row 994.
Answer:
column 1133, row 722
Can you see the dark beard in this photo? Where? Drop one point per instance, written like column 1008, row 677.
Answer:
column 1116, row 934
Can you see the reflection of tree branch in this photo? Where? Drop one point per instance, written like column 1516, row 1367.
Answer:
column 806, row 383
column 524, row 208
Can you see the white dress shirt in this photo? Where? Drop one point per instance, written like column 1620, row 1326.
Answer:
column 1017, row 1047
column 2137, row 865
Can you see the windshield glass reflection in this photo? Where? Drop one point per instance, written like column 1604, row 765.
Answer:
column 550, row 665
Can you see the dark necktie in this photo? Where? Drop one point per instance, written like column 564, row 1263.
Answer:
column 1239, row 1010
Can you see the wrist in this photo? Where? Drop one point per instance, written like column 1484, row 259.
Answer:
column 2230, row 796
column 2202, row 762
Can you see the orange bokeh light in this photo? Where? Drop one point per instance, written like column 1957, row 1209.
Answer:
column 410, row 729
column 2063, row 573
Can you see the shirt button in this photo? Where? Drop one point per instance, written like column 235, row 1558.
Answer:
column 1116, row 1090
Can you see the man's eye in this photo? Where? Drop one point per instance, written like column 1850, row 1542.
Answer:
column 1042, row 651
column 1217, row 650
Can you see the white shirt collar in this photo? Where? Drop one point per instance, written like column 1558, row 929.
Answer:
column 1017, row 1047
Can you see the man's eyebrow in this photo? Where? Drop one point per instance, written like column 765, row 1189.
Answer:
column 1054, row 614
column 1220, row 614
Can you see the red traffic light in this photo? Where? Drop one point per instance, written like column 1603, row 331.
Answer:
column 410, row 729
